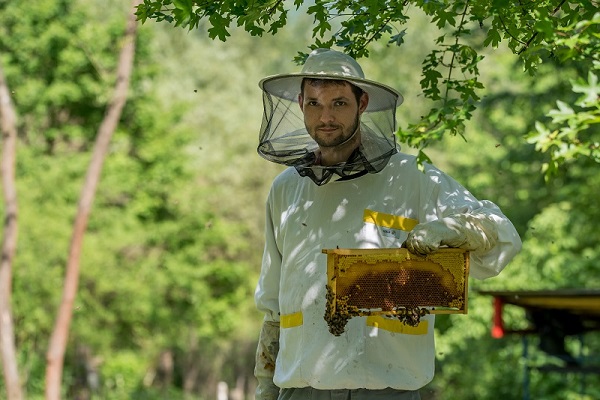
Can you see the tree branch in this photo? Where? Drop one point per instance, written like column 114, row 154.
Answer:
column 8, row 120
column 451, row 66
column 58, row 341
column 532, row 38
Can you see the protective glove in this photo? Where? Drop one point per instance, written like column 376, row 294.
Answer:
column 266, row 354
column 472, row 232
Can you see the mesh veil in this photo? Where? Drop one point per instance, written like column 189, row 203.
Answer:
column 284, row 139
column 283, row 136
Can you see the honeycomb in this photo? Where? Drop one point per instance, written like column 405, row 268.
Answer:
column 394, row 282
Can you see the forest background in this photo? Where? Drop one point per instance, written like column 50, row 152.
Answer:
column 173, row 247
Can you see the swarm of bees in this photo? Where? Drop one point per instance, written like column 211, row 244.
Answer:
column 337, row 316
column 410, row 315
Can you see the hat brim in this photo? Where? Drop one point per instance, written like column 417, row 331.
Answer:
column 287, row 86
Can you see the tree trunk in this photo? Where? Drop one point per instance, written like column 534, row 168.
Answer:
column 8, row 121
column 58, row 341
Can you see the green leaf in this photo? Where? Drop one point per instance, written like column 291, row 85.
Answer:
column 184, row 5
column 219, row 27
column 444, row 18
column 591, row 91
column 422, row 158
column 563, row 113
column 398, row 39
column 493, row 38
column 544, row 26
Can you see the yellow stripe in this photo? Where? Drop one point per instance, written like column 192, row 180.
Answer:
column 389, row 220
column 291, row 320
column 394, row 325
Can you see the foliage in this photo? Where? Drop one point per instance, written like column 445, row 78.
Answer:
column 556, row 222
column 160, row 268
column 535, row 31
column 574, row 131
column 63, row 88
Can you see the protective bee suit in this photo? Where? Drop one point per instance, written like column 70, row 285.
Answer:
column 378, row 198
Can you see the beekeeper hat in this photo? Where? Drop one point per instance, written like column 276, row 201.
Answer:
column 331, row 64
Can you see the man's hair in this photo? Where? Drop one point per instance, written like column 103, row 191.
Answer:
column 358, row 92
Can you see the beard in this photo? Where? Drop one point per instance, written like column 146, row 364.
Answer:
column 329, row 141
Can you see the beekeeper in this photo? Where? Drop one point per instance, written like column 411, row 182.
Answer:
column 348, row 186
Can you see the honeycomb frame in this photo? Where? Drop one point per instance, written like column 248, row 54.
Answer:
column 440, row 277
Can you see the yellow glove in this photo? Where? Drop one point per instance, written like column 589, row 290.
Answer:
column 266, row 354
column 473, row 232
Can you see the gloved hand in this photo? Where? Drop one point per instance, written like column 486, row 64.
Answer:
column 465, row 231
column 266, row 354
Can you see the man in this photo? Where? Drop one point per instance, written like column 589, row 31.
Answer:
column 344, row 167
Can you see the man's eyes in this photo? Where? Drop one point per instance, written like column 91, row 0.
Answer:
column 336, row 103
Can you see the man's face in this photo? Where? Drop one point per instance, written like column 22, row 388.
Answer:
column 331, row 112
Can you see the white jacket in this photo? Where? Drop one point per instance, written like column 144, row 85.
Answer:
column 303, row 218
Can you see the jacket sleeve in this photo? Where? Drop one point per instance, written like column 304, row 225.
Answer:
column 266, row 355
column 266, row 295
column 484, row 230
column 487, row 263
column 267, row 300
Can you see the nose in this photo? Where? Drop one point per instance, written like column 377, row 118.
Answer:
column 327, row 115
